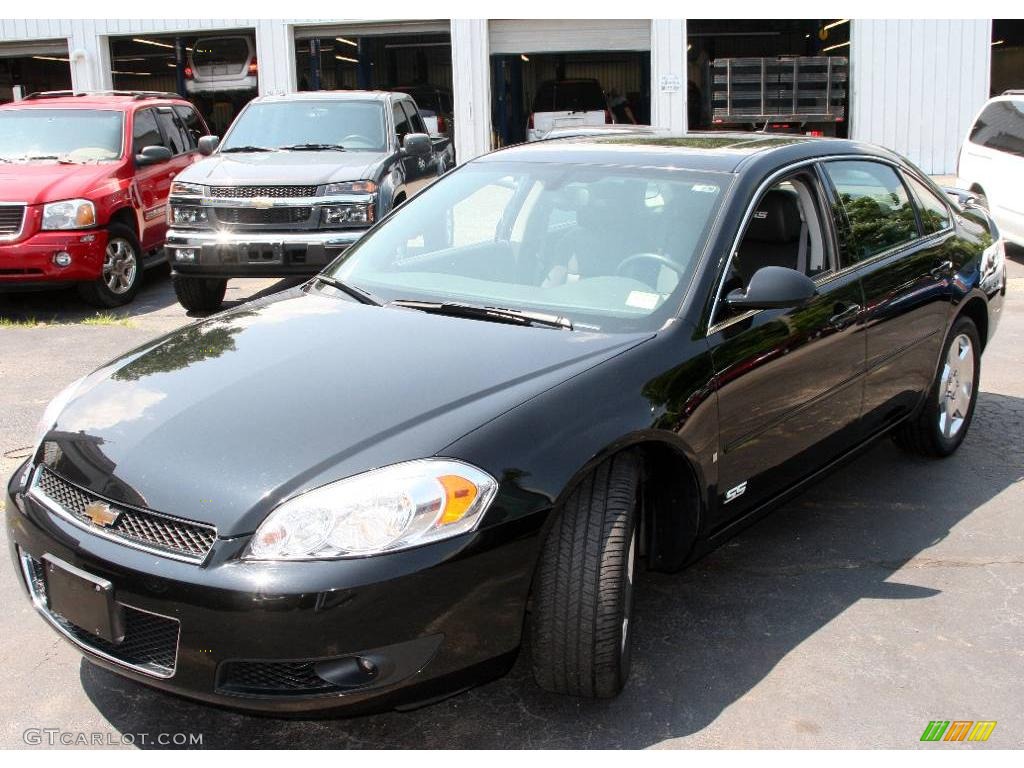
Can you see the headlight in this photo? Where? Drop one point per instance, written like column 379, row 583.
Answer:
column 350, row 188
column 69, row 214
column 188, row 215
column 397, row 507
column 186, row 189
column 348, row 213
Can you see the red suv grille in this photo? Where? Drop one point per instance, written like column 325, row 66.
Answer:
column 10, row 219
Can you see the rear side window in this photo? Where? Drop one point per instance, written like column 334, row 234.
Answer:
column 174, row 138
column 192, row 124
column 418, row 126
column 934, row 212
column 220, row 51
column 876, row 205
column 145, row 132
column 1001, row 127
column 569, row 96
column 401, row 121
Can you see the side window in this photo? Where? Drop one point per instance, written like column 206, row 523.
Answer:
column 934, row 212
column 1001, row 127
column 401, row 121
column 418, row 126
column 145, row 132
column 191, row 123
column 173, row 138
column 876, row 205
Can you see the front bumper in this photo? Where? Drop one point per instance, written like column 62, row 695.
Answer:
column 295, row 637
column 28, row 263
column 255, row 253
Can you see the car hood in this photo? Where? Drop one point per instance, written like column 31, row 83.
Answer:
column 46, row 182
column 223, row 419
column 283, row 168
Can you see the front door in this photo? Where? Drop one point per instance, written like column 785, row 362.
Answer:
column 152, row 183
column 789, row 381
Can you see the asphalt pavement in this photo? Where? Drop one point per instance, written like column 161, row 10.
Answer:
column 888, row 595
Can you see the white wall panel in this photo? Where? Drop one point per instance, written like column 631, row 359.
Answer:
column 917, row 83
column 512, row 36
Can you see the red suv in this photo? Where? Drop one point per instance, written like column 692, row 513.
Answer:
column 84, row 180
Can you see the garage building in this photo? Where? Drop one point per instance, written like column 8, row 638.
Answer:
column 489, row 73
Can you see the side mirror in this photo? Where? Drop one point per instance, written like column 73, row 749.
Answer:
column 153, row 155
column 417, row 144
column 774, row 288
column 208, row 144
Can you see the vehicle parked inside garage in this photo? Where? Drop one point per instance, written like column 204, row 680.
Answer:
column 528, row 382
column 296, row 181
column 225, row 63
column 567, row 104
column 85, row 183
column 435, row 105
column 991, row 162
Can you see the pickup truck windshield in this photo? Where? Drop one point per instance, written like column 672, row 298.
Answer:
column 69, row 135
column 354, row 125
column 602, row 247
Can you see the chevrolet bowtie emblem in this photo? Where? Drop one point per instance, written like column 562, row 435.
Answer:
column 101, row 514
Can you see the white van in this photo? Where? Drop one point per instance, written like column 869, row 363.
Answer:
column 567, row 104
column 991, row 162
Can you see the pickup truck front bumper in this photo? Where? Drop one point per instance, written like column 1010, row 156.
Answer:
column 255, row 254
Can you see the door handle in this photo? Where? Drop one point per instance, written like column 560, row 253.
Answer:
column 942, row 270
column 844, row 315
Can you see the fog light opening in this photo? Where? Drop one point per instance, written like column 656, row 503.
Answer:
column 185, row 254
column 62, row 259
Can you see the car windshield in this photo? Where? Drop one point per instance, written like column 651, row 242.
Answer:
column 608, row 248
column 220, row 51
column 70, row 135
column 354, row 125
column 569, row 96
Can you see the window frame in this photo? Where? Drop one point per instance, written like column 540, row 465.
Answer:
column 941, row 197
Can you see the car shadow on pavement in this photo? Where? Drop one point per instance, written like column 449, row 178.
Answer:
column 703, row 637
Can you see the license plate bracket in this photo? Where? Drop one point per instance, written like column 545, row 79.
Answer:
column 85, row 600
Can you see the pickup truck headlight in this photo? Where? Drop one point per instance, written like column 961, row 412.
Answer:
column 348, row 213
column 69, row 214
column 185, row 189
column 350, row 188
column 384, row 510
column 188, row 216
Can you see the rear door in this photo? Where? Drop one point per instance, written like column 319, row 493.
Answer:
column 789, row 381
column 905, row 261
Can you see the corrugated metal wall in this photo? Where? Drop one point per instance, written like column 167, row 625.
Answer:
column 917, row 84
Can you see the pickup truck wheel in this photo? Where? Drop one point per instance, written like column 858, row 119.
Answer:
column 121, row 274
column 199, row 294
column 583, row 589
column 943, row 422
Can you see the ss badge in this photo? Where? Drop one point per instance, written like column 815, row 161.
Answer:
column 735, row 493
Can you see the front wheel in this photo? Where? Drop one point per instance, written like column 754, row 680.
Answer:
column 121, row 274
column 942, row 424
column 583, row 590
column 199, row 294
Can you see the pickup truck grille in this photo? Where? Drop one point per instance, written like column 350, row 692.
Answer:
column 10, row 219
column 263, row 215
column 274, row 191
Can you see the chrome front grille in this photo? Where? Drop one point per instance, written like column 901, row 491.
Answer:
column 182, row 539
column 11, row 218
column 150, row 641
column 296, row 215
column 272, row 191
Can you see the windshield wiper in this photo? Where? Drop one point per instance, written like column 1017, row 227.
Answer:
column 247, row 148
column 356, row 293
column 314, row 147
column 492, row 314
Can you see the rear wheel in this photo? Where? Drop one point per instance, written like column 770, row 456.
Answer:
column 943, row 422
column 121, row 274
column 199, row 294
column 583, row 592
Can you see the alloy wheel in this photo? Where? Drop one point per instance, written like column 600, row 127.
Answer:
column 956, row 388
column 120, row 266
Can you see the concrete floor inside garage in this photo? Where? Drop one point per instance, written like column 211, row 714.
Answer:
column 886, row 596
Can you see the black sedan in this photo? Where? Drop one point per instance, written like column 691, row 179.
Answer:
column 560, row 363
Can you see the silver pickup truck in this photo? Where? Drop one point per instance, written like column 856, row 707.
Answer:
column 296, row 180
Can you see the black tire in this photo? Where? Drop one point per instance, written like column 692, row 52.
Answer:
column 929, row 434
column 121, row 274
column 583, row 589
column 199, row 294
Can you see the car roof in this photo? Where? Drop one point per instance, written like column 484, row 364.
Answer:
column 712, row 151
column 331, row 96
column 123, row 101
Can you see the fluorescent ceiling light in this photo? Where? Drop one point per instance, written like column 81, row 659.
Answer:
column 49, row 58
column 836, row 23
column 524, row 57
column 995, row 42
column 346, row 41
column 151, row 42
column 833, row 47
column 346, row 58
